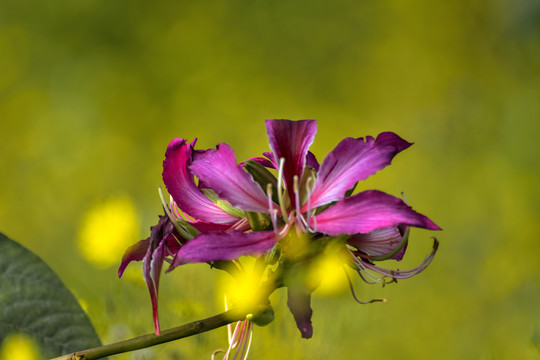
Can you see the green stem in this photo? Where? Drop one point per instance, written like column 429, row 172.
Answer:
column 149, row 340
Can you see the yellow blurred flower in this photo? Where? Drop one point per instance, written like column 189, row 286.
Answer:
column 327, row 275
column 19, row 347
column 244, row 291
column 107, row 230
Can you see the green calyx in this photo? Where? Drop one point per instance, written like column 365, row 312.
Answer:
column 262, row 176
column 263, row 316
column 222, row 204
column 258, row 221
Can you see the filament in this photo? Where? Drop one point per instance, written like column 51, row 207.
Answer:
column 351, row 287
column 366, row 269
column 273, row 212
column 280, row 190
column 304, row 223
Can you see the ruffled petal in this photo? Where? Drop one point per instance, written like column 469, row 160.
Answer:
column 298, row 301
column 218, row 169
column 291, row 140
column 351, row 161
column 221, row 246
column 153, row 262
column 138, row 251
column 367, row 211
column 152, row 265
column 379, row 242
column 181, row 185
column 135, row 252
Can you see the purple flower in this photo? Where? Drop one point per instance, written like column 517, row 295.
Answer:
column 310, row 198
column 285, row 206
column 199, row 215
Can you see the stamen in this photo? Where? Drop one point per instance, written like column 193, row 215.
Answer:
column 353, row 293
column 274, row 221
column 280, row 190
column 304, row 223
column 314, row 228
column 273, row 212
column 229, row 325
column 286, row 227
column 269, row 197
column 369, row 277
column 175, row 223
column 367, row 268
column 213, row 357
column 404, row 198
column 239, row 339
column 405, row 274
column 300, row 221
column 243, row 350
column 242, row 224
column 240, row 343
column 237, row 333
column 250, row 329
column 309, row 191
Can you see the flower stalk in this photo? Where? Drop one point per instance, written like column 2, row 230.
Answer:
column 149, row 340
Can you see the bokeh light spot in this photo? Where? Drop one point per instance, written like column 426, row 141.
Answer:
column 19, row 347
column 327, row 273
column 107, row 230
column 245, row 289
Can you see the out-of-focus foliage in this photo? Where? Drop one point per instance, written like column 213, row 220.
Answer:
column 37, row 311
column 91, row 92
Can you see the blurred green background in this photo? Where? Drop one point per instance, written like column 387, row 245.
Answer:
column 92, row 91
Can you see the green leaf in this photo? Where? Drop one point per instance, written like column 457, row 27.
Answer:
column 34, row 301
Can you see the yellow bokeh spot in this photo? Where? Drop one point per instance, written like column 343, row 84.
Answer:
column 327, row 273
column 244, row 291
column 19, row 347
column 107, row 230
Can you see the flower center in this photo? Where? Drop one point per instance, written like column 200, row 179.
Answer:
column 302, row 190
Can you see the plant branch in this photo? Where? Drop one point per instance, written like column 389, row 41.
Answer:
column 149, row 340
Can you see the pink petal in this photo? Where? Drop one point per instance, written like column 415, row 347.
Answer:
column 135, row 252
column 291, row 140
column 378, row 242
column 218, row 246
column 181, row 185
column 218, row 169
column 351, row 161
column 367, row 211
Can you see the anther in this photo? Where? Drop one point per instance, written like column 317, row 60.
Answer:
column 404, row 198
